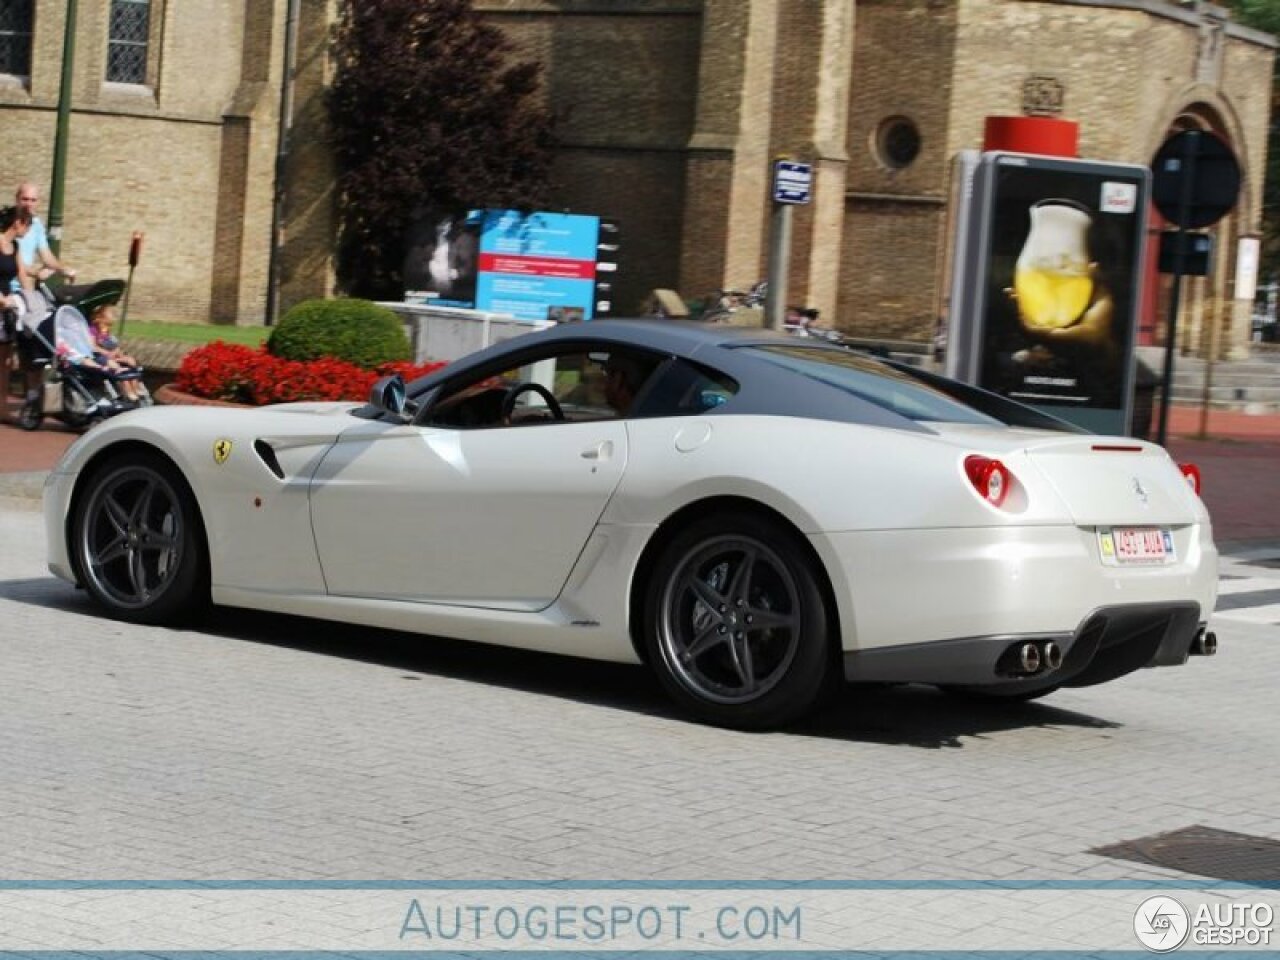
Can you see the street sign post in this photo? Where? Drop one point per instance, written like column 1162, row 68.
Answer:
column 792, row 182
column 792, row 186
column 1195, row 183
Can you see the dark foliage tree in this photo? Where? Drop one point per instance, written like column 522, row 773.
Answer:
column 428, row 113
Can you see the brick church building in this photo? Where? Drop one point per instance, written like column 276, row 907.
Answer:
column 177, row 112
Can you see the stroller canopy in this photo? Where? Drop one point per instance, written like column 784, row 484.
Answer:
column 71, row 333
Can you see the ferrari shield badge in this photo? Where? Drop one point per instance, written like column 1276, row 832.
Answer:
column 221, row 450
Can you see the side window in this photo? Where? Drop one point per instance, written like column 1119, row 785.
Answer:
column 686, row 389
column 15, row 37
column 572, row 384
column 129, row 41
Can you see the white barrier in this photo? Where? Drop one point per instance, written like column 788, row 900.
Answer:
column 447, row 333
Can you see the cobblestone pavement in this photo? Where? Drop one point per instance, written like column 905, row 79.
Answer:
column 271, row 747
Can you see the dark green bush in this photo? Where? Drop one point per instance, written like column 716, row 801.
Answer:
column 357, row 331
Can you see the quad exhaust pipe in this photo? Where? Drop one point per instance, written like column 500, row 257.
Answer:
column 1205, row 644
column 1031, row 658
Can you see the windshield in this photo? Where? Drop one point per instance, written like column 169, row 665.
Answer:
column 872, row 381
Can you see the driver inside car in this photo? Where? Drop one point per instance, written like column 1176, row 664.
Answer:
column 623, row 377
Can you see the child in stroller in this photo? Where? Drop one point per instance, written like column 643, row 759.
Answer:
column 95, row 353
column 79, row 386
column 102, row 321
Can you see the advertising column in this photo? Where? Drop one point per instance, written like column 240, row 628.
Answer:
column 1054, row 271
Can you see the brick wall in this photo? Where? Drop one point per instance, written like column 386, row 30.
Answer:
column 154, row 158
column 1128, row 76
column 903, row 62
column 622, row 79
column 670, row 113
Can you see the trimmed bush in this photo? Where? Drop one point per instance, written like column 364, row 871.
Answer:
column 358, row 331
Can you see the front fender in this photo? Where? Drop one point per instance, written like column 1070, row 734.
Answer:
column 258, row 524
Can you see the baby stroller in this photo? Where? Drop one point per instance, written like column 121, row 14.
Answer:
column 59, row 336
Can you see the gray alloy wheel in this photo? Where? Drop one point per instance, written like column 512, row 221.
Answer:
column 730, row 620
column 736, row 624
column 135, row 542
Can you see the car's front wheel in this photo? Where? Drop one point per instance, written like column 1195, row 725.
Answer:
column 736, row 625
column 137, row 542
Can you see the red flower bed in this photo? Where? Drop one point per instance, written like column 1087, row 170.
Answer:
column 228, row 371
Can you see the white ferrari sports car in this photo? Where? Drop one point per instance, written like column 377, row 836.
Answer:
column 755, row 516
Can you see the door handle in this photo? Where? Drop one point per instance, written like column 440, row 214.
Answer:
column 601, row 451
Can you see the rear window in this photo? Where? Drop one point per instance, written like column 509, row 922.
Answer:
column 872, row 381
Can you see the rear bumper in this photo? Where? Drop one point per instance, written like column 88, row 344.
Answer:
column 1109, row 643
column 900, row 588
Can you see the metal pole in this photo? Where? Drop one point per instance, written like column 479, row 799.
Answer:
column 135, row 254
column 1215, row 327
column 124, row 308
column 775, row 300
column 1179, row 265
column 282, row 159
column 58, row 179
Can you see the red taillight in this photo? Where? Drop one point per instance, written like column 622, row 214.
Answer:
column 1192, row 473
column 990, row 478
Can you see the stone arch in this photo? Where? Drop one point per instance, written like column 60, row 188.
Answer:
column 1198, row 106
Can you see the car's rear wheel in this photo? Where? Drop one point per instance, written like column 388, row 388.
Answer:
column 735, row 622
column 137, row 542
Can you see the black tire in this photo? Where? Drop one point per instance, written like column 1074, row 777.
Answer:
column 76, row 411
column 989, row 695
column 30, row 415
column 137, row 542
column 736, row 625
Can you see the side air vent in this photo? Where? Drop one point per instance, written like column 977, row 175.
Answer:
column 268, row 456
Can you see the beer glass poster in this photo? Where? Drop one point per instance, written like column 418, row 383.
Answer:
column 1062, row 278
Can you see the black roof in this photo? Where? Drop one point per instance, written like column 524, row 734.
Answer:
column 764, row 388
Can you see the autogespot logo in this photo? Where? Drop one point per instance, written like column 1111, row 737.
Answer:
column 1161, row 924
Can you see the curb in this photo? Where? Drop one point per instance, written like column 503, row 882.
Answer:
column 26, row 486
column 170, row 395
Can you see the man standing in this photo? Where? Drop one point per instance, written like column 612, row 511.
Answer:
column 40, row 261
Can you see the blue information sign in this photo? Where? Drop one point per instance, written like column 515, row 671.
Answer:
column 792, row 182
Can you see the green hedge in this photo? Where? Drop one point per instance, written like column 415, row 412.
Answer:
column 358, row 331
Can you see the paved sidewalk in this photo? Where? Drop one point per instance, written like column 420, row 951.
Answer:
column 1240, row 464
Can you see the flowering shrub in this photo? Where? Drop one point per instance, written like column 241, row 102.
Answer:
column 227, row 371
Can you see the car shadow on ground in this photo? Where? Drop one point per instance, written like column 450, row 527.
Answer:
column 922, row 716
column 895, row 715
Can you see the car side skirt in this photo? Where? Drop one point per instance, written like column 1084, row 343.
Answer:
column 553, row 630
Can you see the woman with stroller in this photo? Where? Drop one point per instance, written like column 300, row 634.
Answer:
column 13, row 226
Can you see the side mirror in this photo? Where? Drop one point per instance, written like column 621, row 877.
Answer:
column 388, row 394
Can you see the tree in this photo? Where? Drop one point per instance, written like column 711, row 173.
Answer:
column 427, row 113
